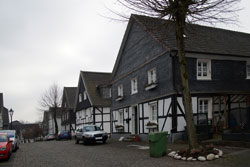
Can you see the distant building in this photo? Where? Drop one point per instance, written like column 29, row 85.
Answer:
column 4, row 115
column 68, row 115
column 49, row 123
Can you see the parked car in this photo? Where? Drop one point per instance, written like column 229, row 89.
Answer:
column 5, row 146
column 13, row 137
column 50, row 137
column 64, row 135
column 90, row 134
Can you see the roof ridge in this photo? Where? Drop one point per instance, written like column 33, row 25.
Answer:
column 96, row 72
column 195, row 24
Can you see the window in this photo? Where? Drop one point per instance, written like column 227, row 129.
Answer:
column 120, row 117
column 134, row 86
column 85, row 95
column 203, row 69
column 152, row 76
column 80, row 97
column 120, row 91
column 248, row 69
column 153, row 112
column 204, row 110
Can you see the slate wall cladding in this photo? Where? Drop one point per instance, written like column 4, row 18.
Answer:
column 139, row 48
column 226, row 76
column 164, row 83
column 85, row 103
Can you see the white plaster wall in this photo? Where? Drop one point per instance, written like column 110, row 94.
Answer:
column 167, row 104
column 106, row 127
column 181, row 124
column 160, row 108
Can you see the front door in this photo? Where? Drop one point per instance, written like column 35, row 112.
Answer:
column 134, row 120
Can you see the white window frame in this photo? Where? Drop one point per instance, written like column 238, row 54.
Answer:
column 80, row 97
column 153, row 113
column 120, row 117
column 248, row 69
column 201, row 69
column 134, row 86
column 152, row 76
column 209, row 107
column 120, row 90
column 85, row 95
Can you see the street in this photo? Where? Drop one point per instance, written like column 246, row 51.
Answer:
column 114, row 153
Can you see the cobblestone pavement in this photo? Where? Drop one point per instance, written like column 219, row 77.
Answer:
column 4, row 163
column 114, row 153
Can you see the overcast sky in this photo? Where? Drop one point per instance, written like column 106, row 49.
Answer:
column 49, row 41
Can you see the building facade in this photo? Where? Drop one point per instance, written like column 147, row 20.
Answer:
column 93, row 100
column 146, row 86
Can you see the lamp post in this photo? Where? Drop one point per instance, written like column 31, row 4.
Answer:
column 11, row 114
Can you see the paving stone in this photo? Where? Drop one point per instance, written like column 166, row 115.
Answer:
column 112, row 154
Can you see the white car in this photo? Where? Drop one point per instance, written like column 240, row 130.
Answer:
column 50, row 137
column 13, row 137
column 90, row 134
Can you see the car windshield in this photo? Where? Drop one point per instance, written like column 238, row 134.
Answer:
column 2, row 138
column 10, row 133
column 90, row 128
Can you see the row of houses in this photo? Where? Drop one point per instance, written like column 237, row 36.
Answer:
column 143, row 92
column 4, row 114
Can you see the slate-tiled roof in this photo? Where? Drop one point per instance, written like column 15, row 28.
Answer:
column 199, row 38
column 70, row 95
column 92, row 80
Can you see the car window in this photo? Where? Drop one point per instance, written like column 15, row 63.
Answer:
column 90, row 128
column 11, row 134
column 2, row 138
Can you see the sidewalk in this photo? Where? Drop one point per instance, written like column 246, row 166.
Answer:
column 233, row 156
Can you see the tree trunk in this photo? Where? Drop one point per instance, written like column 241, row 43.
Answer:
column 187, row 101
column 56, row 125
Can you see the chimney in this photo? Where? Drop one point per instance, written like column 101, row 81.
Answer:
column 1, row 99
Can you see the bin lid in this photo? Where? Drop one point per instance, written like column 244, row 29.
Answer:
column 153, row 137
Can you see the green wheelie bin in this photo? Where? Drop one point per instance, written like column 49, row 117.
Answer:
column 157, row 144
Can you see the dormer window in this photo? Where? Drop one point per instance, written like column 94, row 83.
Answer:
column 152, row 76
column 248, row 69
column 80, row 98
column 203, row 69
column 134, row 86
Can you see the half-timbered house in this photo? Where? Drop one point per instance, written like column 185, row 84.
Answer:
column 93, row 100
column 68, row 115
column 146, row 86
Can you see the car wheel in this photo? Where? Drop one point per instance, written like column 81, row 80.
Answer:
column 104, row 141
column 9, row 154
column 77, row 141
column 85, row 142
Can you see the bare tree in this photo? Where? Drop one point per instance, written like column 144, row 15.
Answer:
column 182, row 12
column 51, row 100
